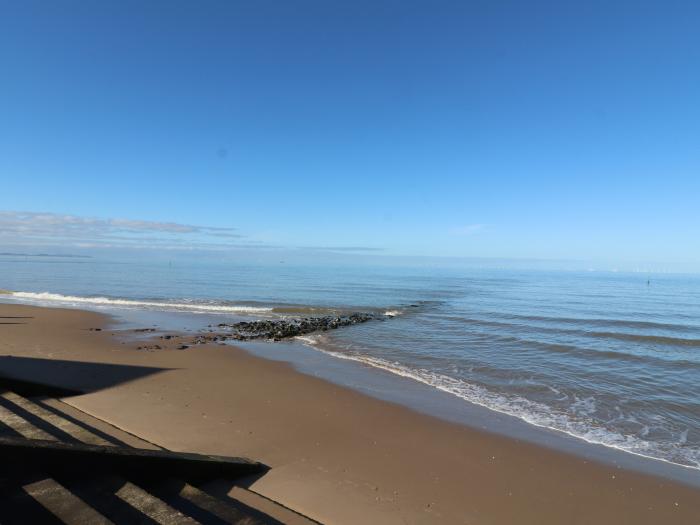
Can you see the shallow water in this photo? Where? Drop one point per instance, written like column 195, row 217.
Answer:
column 607, row 357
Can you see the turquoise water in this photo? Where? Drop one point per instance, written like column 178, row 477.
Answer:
column 610, row 358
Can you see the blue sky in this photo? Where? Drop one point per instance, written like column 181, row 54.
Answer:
column 554, row 130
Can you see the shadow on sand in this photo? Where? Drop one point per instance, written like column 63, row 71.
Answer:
column 69, row 377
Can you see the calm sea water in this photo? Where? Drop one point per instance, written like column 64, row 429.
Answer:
column 609, row 358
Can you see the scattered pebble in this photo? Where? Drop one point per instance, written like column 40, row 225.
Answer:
column 149, row 347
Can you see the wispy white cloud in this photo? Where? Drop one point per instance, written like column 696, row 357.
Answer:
column 468, row 229
column 53, row 229
column 50, row 231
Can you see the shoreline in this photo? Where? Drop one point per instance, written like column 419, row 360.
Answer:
column 337, row 455
column 589, row 410
column 388, row 382
column 425, row 398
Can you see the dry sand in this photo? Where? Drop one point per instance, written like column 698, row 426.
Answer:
column 337, row 456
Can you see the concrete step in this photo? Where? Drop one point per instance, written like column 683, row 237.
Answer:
column 79, row 459
column 21, row 426
column 203, row 506
column 97, row 426
column 97, row 477
column 63, row 504
column 125, row 501
column 101, row 492
column 244, row 498
column 7, row 431
column 129, row 501
column 153, row 507
column 68, row 427
column 19, row 508
column 74, row 498
column 53, row 420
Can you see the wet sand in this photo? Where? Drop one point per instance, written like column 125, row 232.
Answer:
column 336, row 455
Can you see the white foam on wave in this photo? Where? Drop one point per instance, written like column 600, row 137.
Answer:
column 393, row 313
column 309, row 339
column 532, row 412
column 47, row 297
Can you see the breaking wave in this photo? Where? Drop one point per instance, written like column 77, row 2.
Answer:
column 574, row 421
column 182, row 306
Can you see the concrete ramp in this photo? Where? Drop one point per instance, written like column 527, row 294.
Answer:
column 62, row 466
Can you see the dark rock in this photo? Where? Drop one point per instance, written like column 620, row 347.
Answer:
column 285, row 328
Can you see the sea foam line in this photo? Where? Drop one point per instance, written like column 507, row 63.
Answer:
column 531, row 412
column 107, row 301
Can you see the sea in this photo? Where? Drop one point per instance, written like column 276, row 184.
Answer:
column 606, row 358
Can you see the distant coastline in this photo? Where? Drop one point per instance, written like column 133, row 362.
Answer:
column 64, row 255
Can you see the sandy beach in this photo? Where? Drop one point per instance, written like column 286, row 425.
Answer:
column 336, row 455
